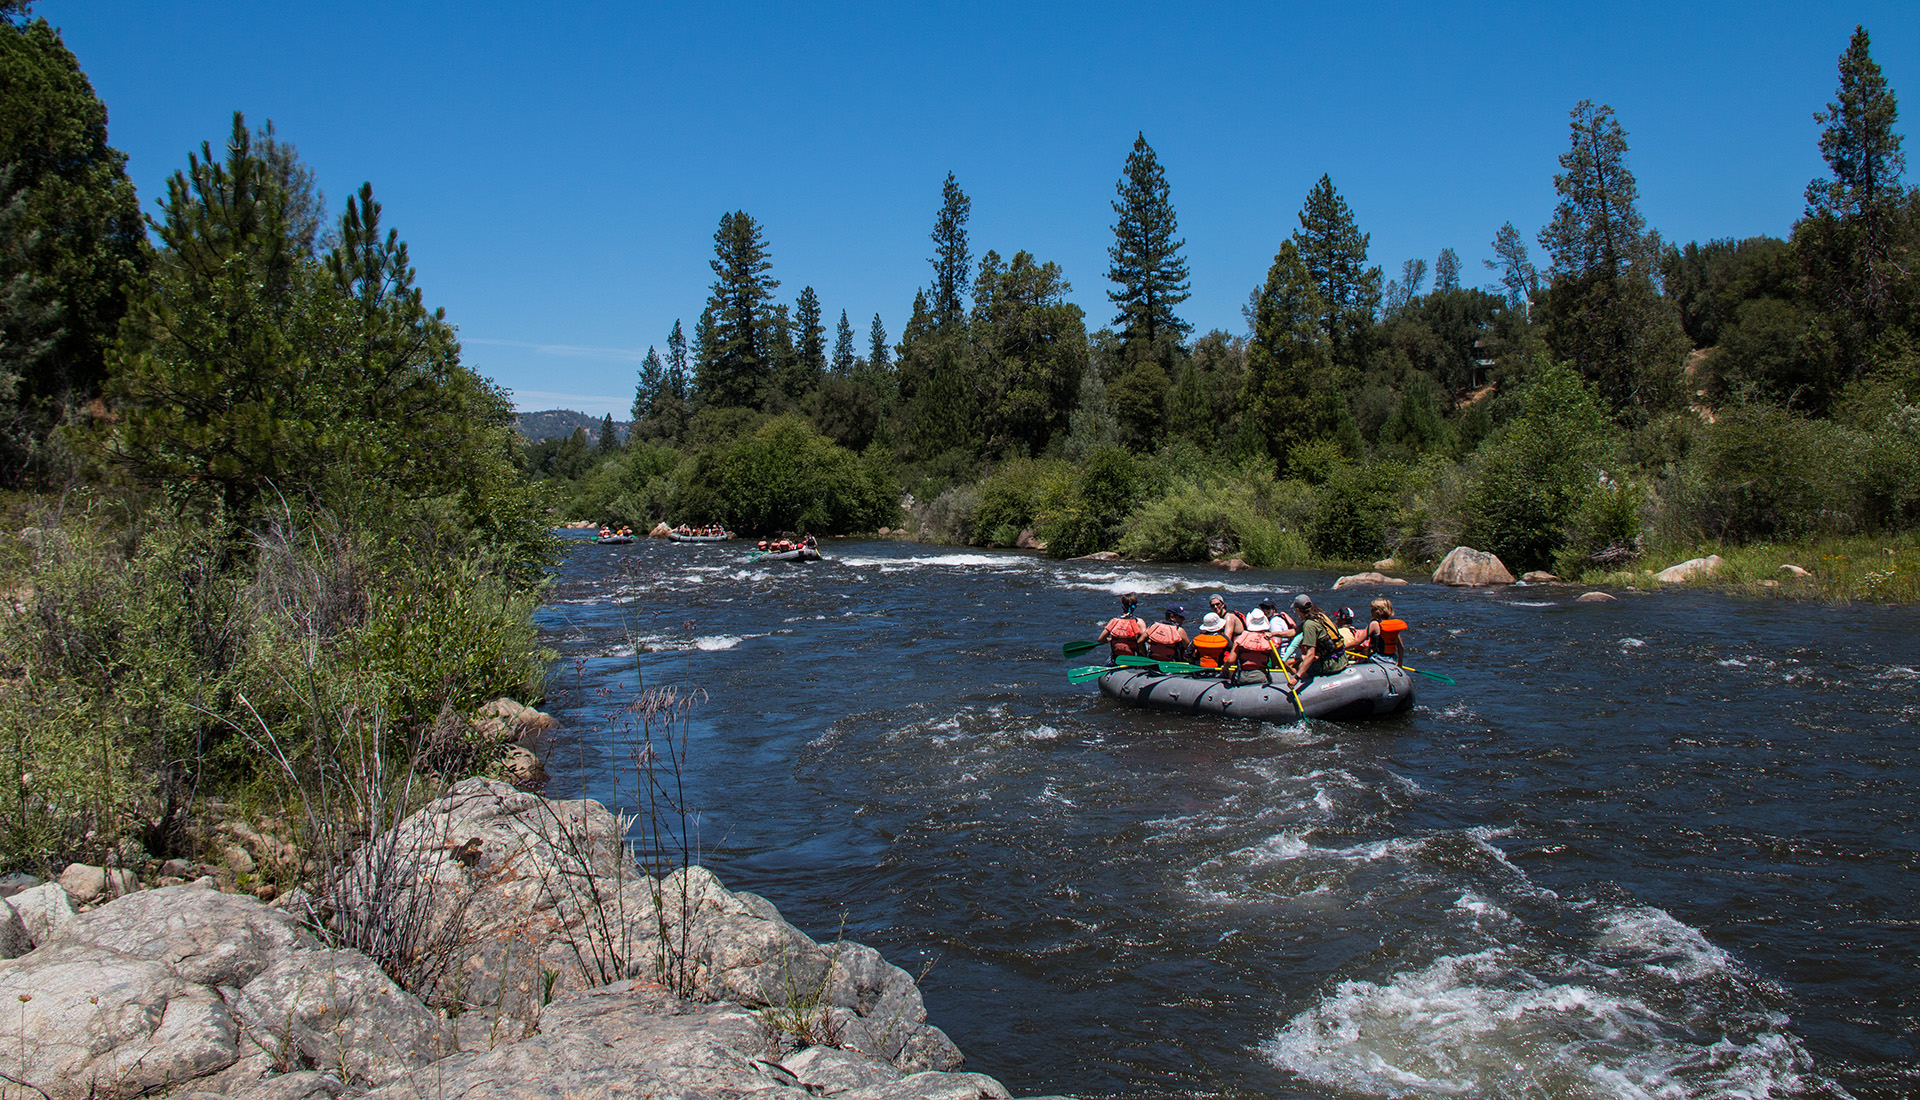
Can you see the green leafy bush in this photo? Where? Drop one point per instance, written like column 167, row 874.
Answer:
column 787, row 477
column 1524, row 487
column 1354, row 510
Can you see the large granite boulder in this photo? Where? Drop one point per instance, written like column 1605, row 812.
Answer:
column 1465, row 567
column 167, row 986
column 1367, row 580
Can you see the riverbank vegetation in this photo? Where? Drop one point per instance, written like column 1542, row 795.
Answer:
column 1626, row 402
column 265, row 525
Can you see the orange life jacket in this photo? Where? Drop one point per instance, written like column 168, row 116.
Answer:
column 1389, row 635
column 1163, row 641
column 1124, row 632
column 1253, row 649
column 1210, row 650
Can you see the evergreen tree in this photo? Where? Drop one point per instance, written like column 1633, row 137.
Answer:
column 1604, row 312
column 679, row 376
column 1334, row 253
column 843, row 353
column 951, row 261
column 734, row 366
column 1287, row 360
column 71, row 239
column 1446, row 271
column 812, row 342
column 1145, row 261
column 1034, row 352
column 1517, row 273
column 783, row 361
column 609, row 440
column 1858, row 226
column 653, row 381
column 1402, row 291
column 879, row 352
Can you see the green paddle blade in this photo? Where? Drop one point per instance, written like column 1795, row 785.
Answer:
column 1075, row 649
column 1088, row 672
column 1432, row 675
column 1171, row 667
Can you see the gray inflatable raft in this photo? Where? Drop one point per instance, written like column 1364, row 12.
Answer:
column 1365, row 689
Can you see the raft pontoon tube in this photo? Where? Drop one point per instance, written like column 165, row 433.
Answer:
column 1364, row 689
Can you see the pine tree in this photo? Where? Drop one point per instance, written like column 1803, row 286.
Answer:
column 1446, row 271
column 1288, row 358
column 951, row 261
column 71, row 238
column 1517, row 273
column 812, row 342
column 843, row 353
column 1604, row 312
column 609, row 440
column 1850, row 238
column 679, row 376
column 734, row 365
column 1144, row 260
column 1402, row 291
column 879, row 353
column 653, row 383
column 1334, row 253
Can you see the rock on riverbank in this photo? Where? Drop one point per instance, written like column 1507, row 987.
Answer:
column 538, row 960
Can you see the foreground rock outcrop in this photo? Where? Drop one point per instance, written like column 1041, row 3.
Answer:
column 540, row 961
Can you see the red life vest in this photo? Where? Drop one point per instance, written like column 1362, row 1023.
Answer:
column 1124, row 632
column 1253, row 649
column 1163, row 641
column 1210, row 650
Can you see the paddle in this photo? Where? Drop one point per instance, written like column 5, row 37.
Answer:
column 1176, row 668
column 1075, row 649
column 1088, row 672
column 1417, row 672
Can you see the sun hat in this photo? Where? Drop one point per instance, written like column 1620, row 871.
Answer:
column 1257, row 621
column 1212, row 624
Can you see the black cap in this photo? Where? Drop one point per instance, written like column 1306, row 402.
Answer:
column 1268, row 602
column 1176, row 610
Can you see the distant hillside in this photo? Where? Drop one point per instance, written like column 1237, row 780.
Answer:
column 560, row 423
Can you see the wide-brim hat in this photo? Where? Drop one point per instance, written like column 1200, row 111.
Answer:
column 1213, row 623
column 1257, row 620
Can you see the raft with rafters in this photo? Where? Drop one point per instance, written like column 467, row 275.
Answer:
column 1365, row 689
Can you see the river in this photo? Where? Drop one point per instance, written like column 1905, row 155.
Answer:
column 1661, row 847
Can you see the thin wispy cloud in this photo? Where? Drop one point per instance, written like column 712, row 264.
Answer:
column 571, row 351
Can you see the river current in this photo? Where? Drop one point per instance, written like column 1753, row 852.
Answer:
column 1663, row 847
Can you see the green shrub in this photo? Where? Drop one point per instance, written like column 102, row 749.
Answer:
column 1010, row 497
column 1760, row 472
column 1524, row 487
column 1355, row 509
column 787, row 477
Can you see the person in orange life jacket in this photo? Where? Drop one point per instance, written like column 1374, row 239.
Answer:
column 1125, row 632
column 1253, row 648
column 1316, row 649
column 1167, row 640
column 1231, row 622
column 1378, row 638
column 1211, row 644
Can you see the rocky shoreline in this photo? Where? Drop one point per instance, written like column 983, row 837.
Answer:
column 537, row 961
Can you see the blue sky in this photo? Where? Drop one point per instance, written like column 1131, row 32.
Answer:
column 558, row 170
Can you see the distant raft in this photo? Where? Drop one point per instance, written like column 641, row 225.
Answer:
column 678, row 537
column 1365, row 689
column 804, row 553
column 613, row 540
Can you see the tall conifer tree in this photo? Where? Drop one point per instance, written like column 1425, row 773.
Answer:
column 735, row 365
column 1603, row 311
column 1849, row 241
column 1144, row 260
column 1446, row 271
column 1334, row 253
column 843, row 353
column 653, row 378
column 679, row 374
column 879, row 352
column 951, row 261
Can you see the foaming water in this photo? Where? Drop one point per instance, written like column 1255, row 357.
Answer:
column 1657, row 848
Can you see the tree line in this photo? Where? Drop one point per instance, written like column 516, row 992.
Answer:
column 1422, row 399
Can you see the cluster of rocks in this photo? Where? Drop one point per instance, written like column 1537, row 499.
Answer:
column 538, row 961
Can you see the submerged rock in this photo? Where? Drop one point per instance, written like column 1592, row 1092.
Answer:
column 1595, row 597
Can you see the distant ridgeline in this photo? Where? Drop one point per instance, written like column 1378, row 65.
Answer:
column 535, row 427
